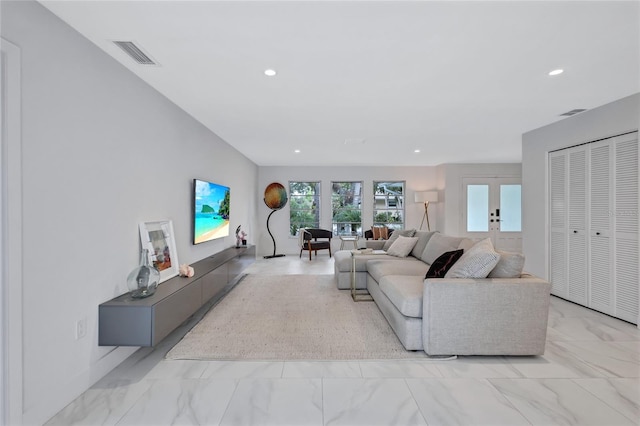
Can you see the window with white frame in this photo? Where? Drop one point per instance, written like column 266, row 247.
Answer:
column 346, row 206
column 304, row 206
column 388, row 204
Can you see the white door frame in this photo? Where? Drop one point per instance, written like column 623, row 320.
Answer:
column 11, row 349
column 494, row 231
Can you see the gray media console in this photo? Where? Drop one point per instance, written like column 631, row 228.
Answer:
column 125, row 321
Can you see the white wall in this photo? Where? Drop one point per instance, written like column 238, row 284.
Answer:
column 101, row 151
column 416, row 179
column 608, row 120
column 451, row 197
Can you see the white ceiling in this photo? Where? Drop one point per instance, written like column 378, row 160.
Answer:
column 461, row 81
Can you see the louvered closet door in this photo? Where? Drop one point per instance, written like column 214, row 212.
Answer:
column 601, row 291
column 625, row 216
column 558, row 218
column 577, row 273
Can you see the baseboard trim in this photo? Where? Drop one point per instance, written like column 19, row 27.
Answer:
column 64, row 394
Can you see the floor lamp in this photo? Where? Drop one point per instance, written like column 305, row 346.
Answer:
column 275, row 197
column 426, row 197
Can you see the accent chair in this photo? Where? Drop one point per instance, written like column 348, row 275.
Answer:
column 312, row 239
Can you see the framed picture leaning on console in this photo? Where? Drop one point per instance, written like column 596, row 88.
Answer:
column 159, row 240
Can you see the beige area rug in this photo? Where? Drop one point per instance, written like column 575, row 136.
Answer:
column 291, row 317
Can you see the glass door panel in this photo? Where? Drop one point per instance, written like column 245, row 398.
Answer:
column 510, row 208
column 477, row 208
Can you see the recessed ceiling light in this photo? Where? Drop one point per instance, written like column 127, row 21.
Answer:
column 297, row 151
column 416, row 151
column 269, row 72
column 556, row 72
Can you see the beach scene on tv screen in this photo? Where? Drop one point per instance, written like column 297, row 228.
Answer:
column 211, row 213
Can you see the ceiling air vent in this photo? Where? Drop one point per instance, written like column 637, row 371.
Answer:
column 572, row 112
column 135, row 52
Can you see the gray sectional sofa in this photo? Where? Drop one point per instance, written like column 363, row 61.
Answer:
column 503, row 313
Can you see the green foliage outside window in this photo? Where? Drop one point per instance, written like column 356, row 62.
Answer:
column 388, row 204
column 304, row 206
column 346, row 206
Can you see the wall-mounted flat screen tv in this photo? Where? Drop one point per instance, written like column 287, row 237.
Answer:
column 210, row 211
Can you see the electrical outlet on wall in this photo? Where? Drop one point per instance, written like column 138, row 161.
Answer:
column 81, row 328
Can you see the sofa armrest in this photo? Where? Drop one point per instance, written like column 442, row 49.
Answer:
column 490, row 316
column 375, row 244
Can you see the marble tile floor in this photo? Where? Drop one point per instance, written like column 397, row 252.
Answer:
column 589, row 375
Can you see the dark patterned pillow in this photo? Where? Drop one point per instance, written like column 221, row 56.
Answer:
column 441, row 265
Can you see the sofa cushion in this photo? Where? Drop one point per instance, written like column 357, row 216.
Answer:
column 395, row 235
column 343, row 261
column 476, row 262
column 402, row 246
column 509, row 266
column 437, row 245
column 442, row 264
column 423, row 239
column 401, row 266
column 405, row 292
column 375, row 244
column 466, row 244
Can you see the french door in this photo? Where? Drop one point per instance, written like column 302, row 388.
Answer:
column 492, row 208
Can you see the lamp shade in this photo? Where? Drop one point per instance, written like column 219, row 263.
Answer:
column 426, row 196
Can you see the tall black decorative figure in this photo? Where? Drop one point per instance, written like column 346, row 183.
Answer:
column 275, row 197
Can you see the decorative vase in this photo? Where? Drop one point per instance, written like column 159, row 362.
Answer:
column 143, row 280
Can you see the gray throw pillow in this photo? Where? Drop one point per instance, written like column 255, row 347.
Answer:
column 510, row 265
column 402, row 246
column 437, row 245
column 476, row 262
column 395, row 235
column 423, row 239
column 466, row 244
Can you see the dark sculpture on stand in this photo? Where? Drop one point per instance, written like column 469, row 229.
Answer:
column 275, row 197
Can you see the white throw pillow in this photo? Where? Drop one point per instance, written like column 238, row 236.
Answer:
column 402, row 246
column 476, row 262
column 395, row 235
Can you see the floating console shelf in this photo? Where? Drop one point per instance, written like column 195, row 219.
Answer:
column 125, row 321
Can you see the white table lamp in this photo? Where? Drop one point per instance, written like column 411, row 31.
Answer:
column 426, row 197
